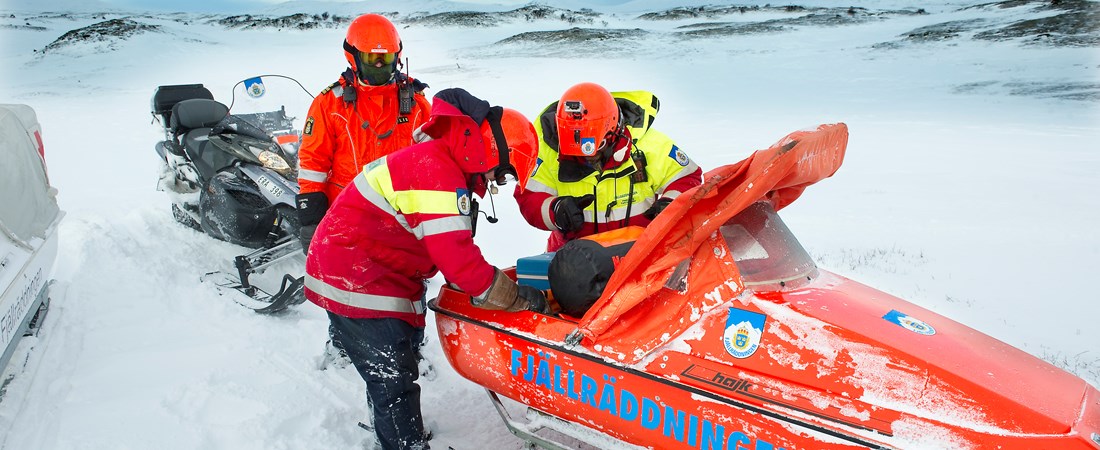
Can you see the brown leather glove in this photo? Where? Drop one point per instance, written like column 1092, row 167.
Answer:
column 505, row 295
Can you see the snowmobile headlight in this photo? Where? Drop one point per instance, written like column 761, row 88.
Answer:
column 274, row 162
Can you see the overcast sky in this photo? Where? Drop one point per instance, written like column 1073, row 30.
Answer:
column 234, row 5
column 244, row 5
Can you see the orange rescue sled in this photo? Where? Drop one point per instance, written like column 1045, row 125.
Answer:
column 717, row 331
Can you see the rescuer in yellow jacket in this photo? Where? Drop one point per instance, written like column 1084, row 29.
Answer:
column 601, row 166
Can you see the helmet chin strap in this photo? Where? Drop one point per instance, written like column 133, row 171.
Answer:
column 504, row 164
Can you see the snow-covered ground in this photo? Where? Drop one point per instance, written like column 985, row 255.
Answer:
column 969, row 188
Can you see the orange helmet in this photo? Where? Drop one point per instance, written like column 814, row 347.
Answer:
column 512, row 131
column 588, row 119
column 373, row 37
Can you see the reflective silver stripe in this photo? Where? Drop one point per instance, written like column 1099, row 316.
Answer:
column 534, row 185
column 687, row 170
column 545, row 208
column 365, row 301
column 445, row 224
column 618, row 213
column 312, row 175
column 405, row 224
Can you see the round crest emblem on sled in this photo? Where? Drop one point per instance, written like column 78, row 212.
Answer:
column 743, row 332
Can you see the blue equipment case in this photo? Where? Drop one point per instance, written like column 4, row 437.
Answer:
column 531, row 270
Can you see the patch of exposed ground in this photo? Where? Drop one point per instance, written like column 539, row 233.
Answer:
column 298, row 21
column 109, row 32
column 527, row 13
column 1068, row 90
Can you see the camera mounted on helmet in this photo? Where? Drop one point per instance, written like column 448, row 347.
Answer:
column 589, row 124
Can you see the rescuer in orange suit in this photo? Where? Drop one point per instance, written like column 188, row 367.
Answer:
column 370, row 112
column 406, row 217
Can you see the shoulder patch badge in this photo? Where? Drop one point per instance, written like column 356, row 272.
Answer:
column 538, row 163
column 679, row 155
column 308, row 128
column 463, row 201
column 909, row 322
column 744, row 329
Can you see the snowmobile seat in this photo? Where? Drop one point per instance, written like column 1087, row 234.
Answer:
column 166, row 97
column 196, row 113
column 194, row 119
column 195, row 143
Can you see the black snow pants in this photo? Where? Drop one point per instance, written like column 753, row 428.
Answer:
column 384, row 351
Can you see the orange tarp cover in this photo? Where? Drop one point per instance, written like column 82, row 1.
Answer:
column 779, row 174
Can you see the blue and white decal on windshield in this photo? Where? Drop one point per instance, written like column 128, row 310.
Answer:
column 743, row 332
column 255, row 87
column 909, row 322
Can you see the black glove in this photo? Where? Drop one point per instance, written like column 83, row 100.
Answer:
column 661, row 204
column 311, row 209
column 305, row 236
column 536, row 300
column 569, row 212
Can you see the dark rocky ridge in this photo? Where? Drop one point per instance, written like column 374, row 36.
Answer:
column 1073, row 23
column 109, row 31
column 527, row 13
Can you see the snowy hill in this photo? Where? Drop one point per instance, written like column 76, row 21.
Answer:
column 969, row 185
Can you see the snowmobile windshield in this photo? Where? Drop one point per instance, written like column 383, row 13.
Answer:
column 273, row 105
column 766, row 252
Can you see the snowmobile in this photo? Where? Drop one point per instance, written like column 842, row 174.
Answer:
column 717, row 330
column 232, row 174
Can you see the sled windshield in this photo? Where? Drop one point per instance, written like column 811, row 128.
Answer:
column 765, row 250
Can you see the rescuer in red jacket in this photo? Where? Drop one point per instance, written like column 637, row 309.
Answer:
column 370, row 112
column 404, row 218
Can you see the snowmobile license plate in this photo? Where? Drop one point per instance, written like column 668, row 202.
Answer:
column 270, row 186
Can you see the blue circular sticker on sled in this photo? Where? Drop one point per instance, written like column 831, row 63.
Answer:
column 909, row 322
column 743, row 332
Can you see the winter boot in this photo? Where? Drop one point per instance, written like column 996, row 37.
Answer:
column 334, row 357
column 427, row 370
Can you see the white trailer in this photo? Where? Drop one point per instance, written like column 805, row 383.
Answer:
column 29, row 217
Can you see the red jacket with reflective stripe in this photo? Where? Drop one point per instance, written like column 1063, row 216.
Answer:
column 402, row 220
column 339, row 138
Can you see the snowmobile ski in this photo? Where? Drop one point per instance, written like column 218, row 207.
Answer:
column 253, row 297
column 538, row 421
column 247, row 294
